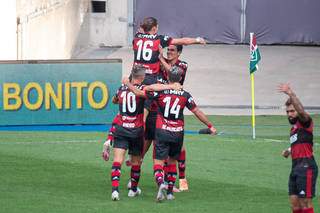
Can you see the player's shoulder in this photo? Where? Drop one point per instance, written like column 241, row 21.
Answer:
column 182, row 64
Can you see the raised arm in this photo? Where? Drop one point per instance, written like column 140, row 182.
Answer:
column 303, row 115
column 204, row 119
column 188, row 41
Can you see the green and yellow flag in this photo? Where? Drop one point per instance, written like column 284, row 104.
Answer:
column 254, row 53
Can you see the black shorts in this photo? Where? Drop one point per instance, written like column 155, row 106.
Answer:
column 302, row 181
column 151, row 126
column 165, row 149
column 135, row 145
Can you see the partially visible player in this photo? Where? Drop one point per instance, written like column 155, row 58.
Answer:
column 173, row 54
column 304, row 171
column 170, row 129
column 146, row 46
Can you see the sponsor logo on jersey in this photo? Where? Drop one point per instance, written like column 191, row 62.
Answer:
column 293, row 138
column 172, row 129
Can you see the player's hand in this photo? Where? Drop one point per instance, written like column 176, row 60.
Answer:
column 285, row 88
column 213, row 130
column 200, row 40
column 106, row 150
column 160, row 52
column 125, row 80
column 176, row 86
column 286, row 153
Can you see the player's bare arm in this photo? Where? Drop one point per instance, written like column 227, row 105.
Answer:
column 160, row 87
column 286, row 89
column 204, row 119
column 188, row 41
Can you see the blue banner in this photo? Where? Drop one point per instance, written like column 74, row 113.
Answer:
column 58, row 92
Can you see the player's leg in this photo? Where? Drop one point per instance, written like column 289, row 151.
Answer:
column 161, row 153
column 120, row 146
column 183, row 183
column 306, row 183
column 174, row 153
column 135, row 150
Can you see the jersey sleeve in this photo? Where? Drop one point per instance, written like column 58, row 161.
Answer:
column 165, row 40
column 191, row 105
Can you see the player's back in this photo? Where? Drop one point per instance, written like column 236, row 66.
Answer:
column 129, row 121
column 171, row 104
column 146, row 50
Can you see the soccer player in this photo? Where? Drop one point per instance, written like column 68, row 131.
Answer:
column 146, row 46
column 128, row 132
column 173, row 54
column 170, row 129
column 304, row 171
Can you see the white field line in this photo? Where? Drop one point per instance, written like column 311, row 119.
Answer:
column 50, row 142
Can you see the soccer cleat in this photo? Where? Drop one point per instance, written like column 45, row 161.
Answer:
column 131, row 193
column 106, row 150
column 129, row 184
column 183, row 184
column 175, row 189
column 161, row 193
column 170, row 197
column 115, row 196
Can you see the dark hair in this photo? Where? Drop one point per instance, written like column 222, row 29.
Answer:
column 174, row 74
column 137, row 71
column 179, row 47
column 288, row 102
column 148, row 23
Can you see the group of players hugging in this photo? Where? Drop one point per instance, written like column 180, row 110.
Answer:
column 151, row 103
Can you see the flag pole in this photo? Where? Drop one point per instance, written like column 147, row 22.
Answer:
column 253, row 119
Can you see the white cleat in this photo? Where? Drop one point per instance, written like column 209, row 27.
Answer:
column 115, row 196
column 170, row 197
column 131, row 193
column 161, row 193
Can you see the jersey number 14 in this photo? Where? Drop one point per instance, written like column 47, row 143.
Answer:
column 174, row 109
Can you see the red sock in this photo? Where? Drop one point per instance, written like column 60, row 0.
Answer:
column 308, row 210
column 297, row 211
column 172, row 175
column 158, row 173
column 182, row 164
column 115, row 175
column 135, row 176
column 165, row 170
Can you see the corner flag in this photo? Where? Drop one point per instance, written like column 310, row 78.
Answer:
column 254, row 60
column 254, row 53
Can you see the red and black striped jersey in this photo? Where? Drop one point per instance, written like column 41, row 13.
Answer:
column 301, row 139
column 171, row 104
column 129, row 121
column 183, row 65
column 146, row 50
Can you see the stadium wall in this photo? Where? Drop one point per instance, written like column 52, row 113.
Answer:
column 230, row 21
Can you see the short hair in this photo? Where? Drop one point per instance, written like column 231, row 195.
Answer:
column 138, row 71
column 148, row 23
column 288, row 102
column 174, row 74
column 179, row 48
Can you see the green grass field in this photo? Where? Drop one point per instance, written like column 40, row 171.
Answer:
column 64, row 171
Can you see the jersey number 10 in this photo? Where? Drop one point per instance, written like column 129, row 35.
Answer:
column 128, row 102
column 144, row 50
column 174, row 109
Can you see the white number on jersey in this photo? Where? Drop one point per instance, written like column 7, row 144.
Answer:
column 175, row 108
column 128, row 101
column 144, row 50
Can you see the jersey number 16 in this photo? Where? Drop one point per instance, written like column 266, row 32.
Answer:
column 144, row 50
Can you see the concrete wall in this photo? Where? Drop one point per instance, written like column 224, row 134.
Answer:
column 8, row 36
column 49, row 29
column 111, row 28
